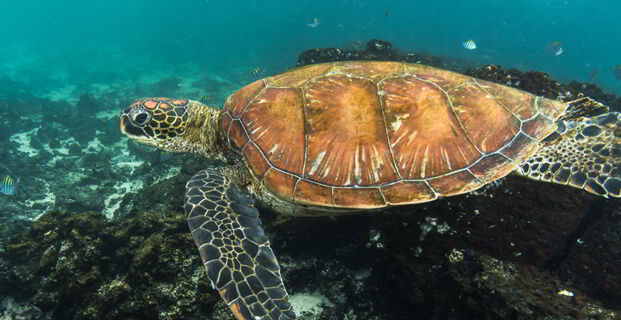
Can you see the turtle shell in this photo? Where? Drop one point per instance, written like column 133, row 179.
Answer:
column 372, row 134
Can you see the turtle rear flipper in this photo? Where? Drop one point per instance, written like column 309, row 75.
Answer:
column 584, row 153
column 236, row 252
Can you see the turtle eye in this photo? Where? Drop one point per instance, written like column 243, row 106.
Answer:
column 141, row 119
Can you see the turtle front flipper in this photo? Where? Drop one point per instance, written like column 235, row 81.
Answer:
column 236, row 252
column 584, row 153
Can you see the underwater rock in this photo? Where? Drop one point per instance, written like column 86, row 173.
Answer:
column 592, row 261
column 81, row 266
column 379, row 45
column 375, row 50
column 9, row 309
column 506, row 291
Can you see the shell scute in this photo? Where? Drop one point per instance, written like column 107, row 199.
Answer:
column 237, row 135
column 274, row 120
column 298, row 77
column 257, row 162
column 552, row 109
column 518, row 102
column 346, row 136
column 455, row 183
column 425, row 136
column 310, row 193
column 281, row 183
column 488, row 124
column 237, row 102
column 407, row 191
column 443, row 79
column 374, row 71
column 539, row 127
column 492, row 167
column 350, row 197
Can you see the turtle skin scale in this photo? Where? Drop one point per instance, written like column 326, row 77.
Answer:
column 364, row 135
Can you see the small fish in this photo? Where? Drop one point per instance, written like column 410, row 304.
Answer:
column 617, row 71
column 469, row 44
column 314, row 24
column 8, row 185
column 555, row 48
column 206, row 99
column 256, row 73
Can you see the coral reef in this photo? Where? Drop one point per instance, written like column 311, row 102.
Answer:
column 81, row 266
column 375, row 50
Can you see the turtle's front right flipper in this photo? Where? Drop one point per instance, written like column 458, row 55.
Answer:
column 236, row 252
column 584, row 153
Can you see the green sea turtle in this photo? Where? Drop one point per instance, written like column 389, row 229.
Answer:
column 339, row 138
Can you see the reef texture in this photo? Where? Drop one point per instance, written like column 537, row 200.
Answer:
column 517, row 249
column 81, row 266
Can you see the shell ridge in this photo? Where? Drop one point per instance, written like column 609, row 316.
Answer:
column 450, row 103
column 497, row 101
column 392, row 153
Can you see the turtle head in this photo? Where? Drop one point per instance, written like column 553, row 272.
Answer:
column 172, row 125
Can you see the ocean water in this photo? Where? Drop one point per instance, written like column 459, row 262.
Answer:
column 95, row 228
column 52, row 46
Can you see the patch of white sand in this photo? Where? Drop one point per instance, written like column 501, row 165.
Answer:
column 306, row 302
column 171, row 172
column 23, row 139
column 108, row 114
column 131, row 164
column 113, row 202
column 48, row 202
column 66, row 93
column 94, row 146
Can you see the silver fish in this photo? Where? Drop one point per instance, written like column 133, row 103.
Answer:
column 469, row 44
column 555, row 48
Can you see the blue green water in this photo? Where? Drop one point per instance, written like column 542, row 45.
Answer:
column 48, row 44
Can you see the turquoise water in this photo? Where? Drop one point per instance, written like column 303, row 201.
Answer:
column 50, row 45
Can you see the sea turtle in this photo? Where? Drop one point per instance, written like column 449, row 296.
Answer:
column 345, row 137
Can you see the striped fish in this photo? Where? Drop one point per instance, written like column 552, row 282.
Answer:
column 469, row 44
column 8, row 185
column 256, row 73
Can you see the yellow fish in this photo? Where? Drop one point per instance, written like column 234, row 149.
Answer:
column 8, row 185
column 206, row 99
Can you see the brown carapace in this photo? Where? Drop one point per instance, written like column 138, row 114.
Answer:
column 365, row 135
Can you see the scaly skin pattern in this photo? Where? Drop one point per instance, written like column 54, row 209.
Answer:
column 584, row 153
column 174, row 125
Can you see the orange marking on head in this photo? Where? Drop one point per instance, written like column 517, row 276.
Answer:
column 122, row 126
column 150, row 104
column 164, row 105
column 180, row 102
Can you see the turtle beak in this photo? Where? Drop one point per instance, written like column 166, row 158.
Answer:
column 123, row 118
